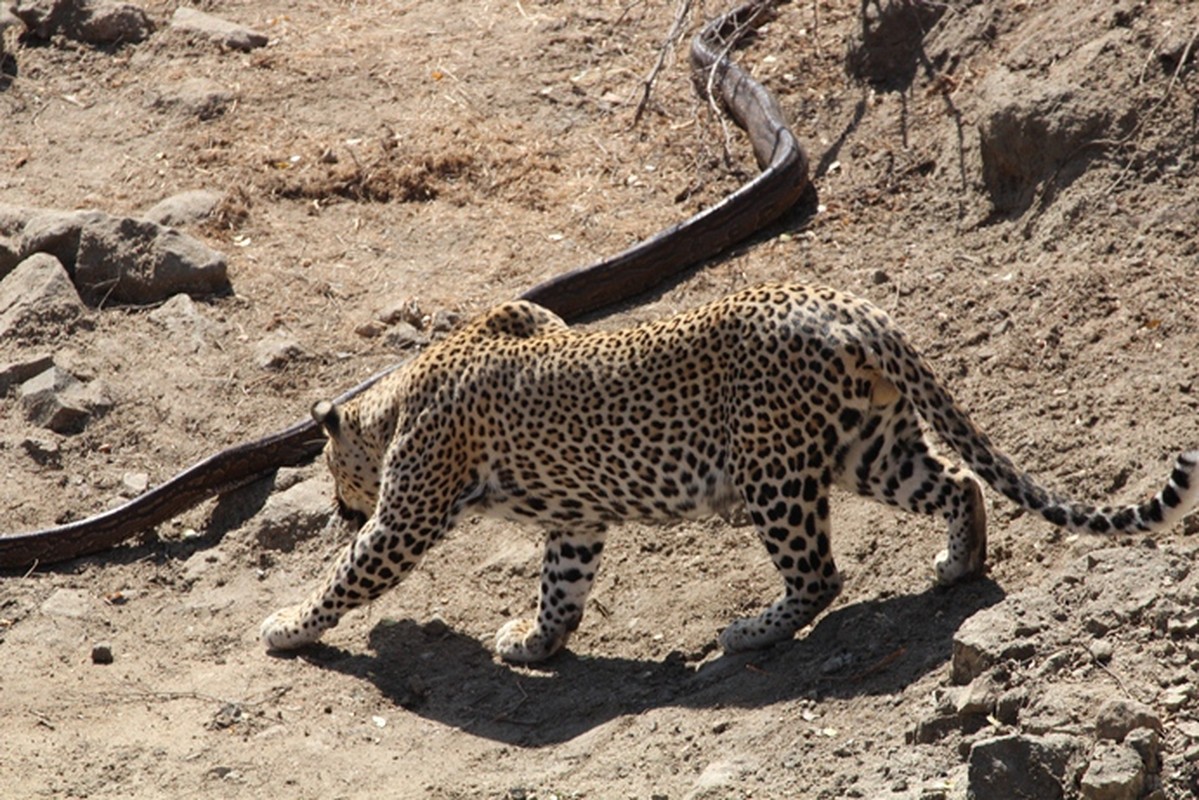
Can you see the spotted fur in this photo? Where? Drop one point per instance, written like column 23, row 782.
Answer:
column 762, row 400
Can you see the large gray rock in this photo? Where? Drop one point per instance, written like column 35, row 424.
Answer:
column 116, row 259
column 37, row 301
column 91, row 21
column 222, row 31
column 127, row 260
column 1024, row 767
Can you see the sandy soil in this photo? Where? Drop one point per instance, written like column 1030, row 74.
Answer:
column 456, row 153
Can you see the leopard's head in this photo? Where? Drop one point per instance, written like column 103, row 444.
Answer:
column 351, row 461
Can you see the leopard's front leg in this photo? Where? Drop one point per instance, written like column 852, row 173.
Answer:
column 567, row 574
column 367, row 569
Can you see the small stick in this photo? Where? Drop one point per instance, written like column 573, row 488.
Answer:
column 672, row 38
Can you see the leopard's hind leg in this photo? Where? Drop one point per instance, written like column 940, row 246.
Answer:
column 790, row 511
column 894, row 463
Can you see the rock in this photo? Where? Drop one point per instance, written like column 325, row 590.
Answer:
column 221, row 31
column 979, row 698
column 70, row 603
column 275, row 352
column 407, row 310
column 370, row 329
column 287, row 477
column 1148, row 745
column 190, row 330
column 1184, row 626
column 1020, row 767
column 56, row 233
column 38, row 301
column 90, row 21
column 1115, row 773
column 44, row 451
column 128, row 260
column 404, row 336
column 290, row 516
column 1009, row 705
column 111, row 23
column 17, row 372
column 445, row 321
column 999, row 633
column 717, row 778
column 46, row 402
column 933, row 729
column 1118, row 716
column 7, row 20
column 10, row 252
column 102, row 653
column 185, row 208
column 13, row 219
column 1176, row 698
column 134, row 483
column 1101, row 651
column 197, row 97
column 57, row 400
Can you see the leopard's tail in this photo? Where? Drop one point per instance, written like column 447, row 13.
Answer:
column 1177, row 499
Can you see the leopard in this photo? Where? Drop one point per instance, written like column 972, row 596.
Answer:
column 758, row 403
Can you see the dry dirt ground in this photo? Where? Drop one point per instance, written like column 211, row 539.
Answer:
column 457, row 152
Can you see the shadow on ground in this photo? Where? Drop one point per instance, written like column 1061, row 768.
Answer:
column 867, row 648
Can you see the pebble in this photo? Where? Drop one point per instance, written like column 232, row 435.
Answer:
column 102, row 653
column 1175, row 699
column 135, row 482
column 1101, row 651
column 370, row 329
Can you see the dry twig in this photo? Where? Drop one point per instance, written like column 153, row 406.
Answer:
column 647, row 85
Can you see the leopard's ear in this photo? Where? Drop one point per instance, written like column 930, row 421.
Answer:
column 326, row 415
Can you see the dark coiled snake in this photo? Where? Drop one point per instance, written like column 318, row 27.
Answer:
column 777, row 187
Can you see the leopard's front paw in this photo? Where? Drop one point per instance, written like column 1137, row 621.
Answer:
column 288, row 629
column 520, row 641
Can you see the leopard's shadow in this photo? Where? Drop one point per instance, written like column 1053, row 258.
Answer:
column 870, row 647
